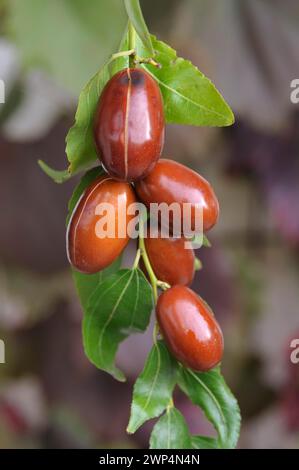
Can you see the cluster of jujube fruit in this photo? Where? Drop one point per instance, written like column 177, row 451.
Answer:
column 129, row 132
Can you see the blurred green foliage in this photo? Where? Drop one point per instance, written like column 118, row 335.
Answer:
column 68, row 38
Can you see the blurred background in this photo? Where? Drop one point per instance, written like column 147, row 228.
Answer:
column 50, row 395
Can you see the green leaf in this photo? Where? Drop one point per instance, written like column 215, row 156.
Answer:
column 120, row 305
column 153, row 388
column 209, row 391
column 86, row 284
column 56, row 175
column 86, row 180
column 202, row 442
column 80, row 146
column 170, row 432
column 136, row 17
column 189, row 97
column 122, row 62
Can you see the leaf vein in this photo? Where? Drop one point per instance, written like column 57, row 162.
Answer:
column 136, row 301
column 99, row 298
column 149, row 397
column 184, row 97
column 209, row 393
column 168, row 429
column 110, row 318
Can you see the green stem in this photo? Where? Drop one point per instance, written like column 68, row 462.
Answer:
column 147, row 60
column 132, row 43
column 163, row 285
column 122, row 54
column 153, row 280
column 155, row 283
column 170, row 405
column 137, row 259
column 155, row 333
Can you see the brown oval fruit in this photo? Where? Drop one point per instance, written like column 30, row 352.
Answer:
column 189, row 328
column 172, row 259
column 171, row 182
column 87, row 252
column 129, row 125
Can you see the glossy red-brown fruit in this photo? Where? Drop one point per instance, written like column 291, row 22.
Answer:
column 172, row 259
column 129, row 125
column 172, row 182
column 87, row 252
column 189, row 328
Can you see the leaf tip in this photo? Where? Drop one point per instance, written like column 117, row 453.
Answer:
column 58, row 176
column 231, row 118
column 129, row 430
column 119, row 376
column 133, row 425
column 42, row 165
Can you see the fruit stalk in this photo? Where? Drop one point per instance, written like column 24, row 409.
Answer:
column 147, row 264
column 132, row 44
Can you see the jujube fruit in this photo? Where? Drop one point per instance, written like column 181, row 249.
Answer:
column 171, row 182
column 189, row 328
column 87, row 252
column 129, row 124
column 171, row 261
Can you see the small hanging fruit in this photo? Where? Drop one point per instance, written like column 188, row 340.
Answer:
column 88, row 250
column 129, row 125
column 171, row 182
column 172, row 259
column 190, row 328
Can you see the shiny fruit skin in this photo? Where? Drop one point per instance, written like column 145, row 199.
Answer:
column 86, row 251
column 170, row 260
column 190, row 329
column 172, row 182
column 129, row 125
